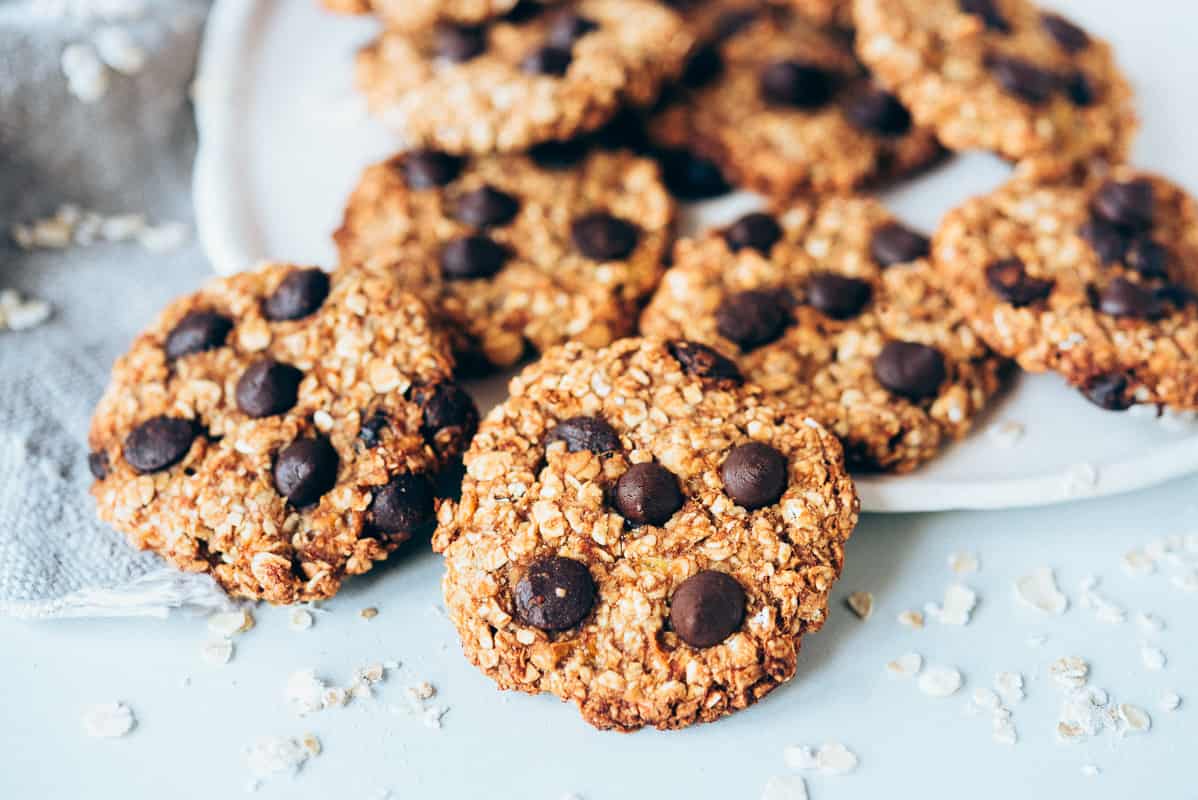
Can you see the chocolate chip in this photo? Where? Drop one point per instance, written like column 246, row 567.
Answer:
column 559, row 155
column 707, row 608
column 988, row 11
column 1148, row 257
column 701, row 360
column 732, row 22
column 625, row 131
column 371, row 432
column 471, row 257
column 1109, row 392
column 878, row 111
column 158, row 443
column 1122, row 298
column 460, row 43
column 1129, row 205
column 1108, row 242
column 1009, row 279
column 1067, row 35
column 305, row 470
column 555, row 594
column 429, row 169
column 585, row 433
column 895, row 243
column 568, row 27
column 689, row 177
column 196, row 332
column 524, row 11
column 704, row 66
column 487, row 207
column 97, row 464
column 1080, row 89
column 793, row 83
column 300, row 294
column 838, row 296
column 268, row 387
column 753, row 318
column 756, row 231
column 910, row 370
column 754, row 475
column 446, row 406
column 1023, row 79
column 403, row 506
column 648, row 494
column 603, row 237
column 547, row 60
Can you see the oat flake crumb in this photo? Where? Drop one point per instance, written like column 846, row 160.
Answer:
column 1137, row 563
column 785, row 787
column 1135, row 718
column 269, row 756
column 300, row 619
column 19, row 313
column 108, row 720
column 938, row 681
column 230, row 623
column 1069, row 671
column 911, row 619
column 964, row 563
column 861, row 604
column 217, row 652
column 1010, row 686
column 905, row 666
column 959, row 603
column 1153, row 657
column 1170, row 701
column 370, row 612
column 1039, row 590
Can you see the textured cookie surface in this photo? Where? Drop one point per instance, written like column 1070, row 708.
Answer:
column 525, row 78
column 516, row 251
column 833, row 13
column 409, row 14
column 834, row 308
column 597, row 552
column 1093, row 280
column 279, row 429
column 1001, row 75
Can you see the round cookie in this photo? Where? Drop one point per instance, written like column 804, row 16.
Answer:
column 832, row 307
column 280, row 429
column 412, row 14
column 642, row 534
column 516, row 251
column 523, row 79
column 784, row 107
column 1095, row 280
column 1001, row 75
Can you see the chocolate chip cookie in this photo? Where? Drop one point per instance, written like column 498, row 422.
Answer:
column 414, row 14
column 516, row 251
column 832, row 307
column 783, row 107
column 525, row 78
column 644, row 535
column 1095, row 280
column 280, row 430
column 1001, row 75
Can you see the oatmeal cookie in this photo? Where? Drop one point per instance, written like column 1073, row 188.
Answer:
column 280, row 429
column 412, row 14
column 783, row 107
column 831, row 306
column 643, row 535
column 1001, row 75
column 517, row 81
column 1094, row 279
column 516, row 251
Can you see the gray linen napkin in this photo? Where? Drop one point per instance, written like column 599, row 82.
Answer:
column 129, row 150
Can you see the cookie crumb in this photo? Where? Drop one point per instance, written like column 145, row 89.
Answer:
column 861, row 604
column 959, row 603
column 964, row 563
column 1136, row 718
column 905, row 666
column 1170, row 701
column 785, row 787
column 939, row 681
column 108, row 720
column 911, row 619
column 370, row 612
column 1005, row 434
column 300, row 619
column 1039, row 590
column 1137, row 563
column 230, row 623
column 1069, row 671
column 18, row 313
column 270, row 756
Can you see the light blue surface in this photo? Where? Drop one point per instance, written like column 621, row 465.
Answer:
column 188, row 740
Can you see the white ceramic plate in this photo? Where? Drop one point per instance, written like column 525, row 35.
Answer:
column 283, row 139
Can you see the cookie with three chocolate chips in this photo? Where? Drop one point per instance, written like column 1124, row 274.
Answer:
column 1094, row 279
column 1001, row 75
column 281, row 430
column 534, row 75
column 832, row 306
column 783, row 106
column 516, row 252
column 643, row 534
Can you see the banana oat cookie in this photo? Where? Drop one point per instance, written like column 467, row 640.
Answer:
column 280, row 430
column 643, row 535
column 1001, row 75
column 784, row 107
column 1095, row 280
column 409, row 14
column 516, row 251
column 525, row 78
column 832, row 307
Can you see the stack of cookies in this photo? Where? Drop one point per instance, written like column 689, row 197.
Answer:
column 655, row 516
